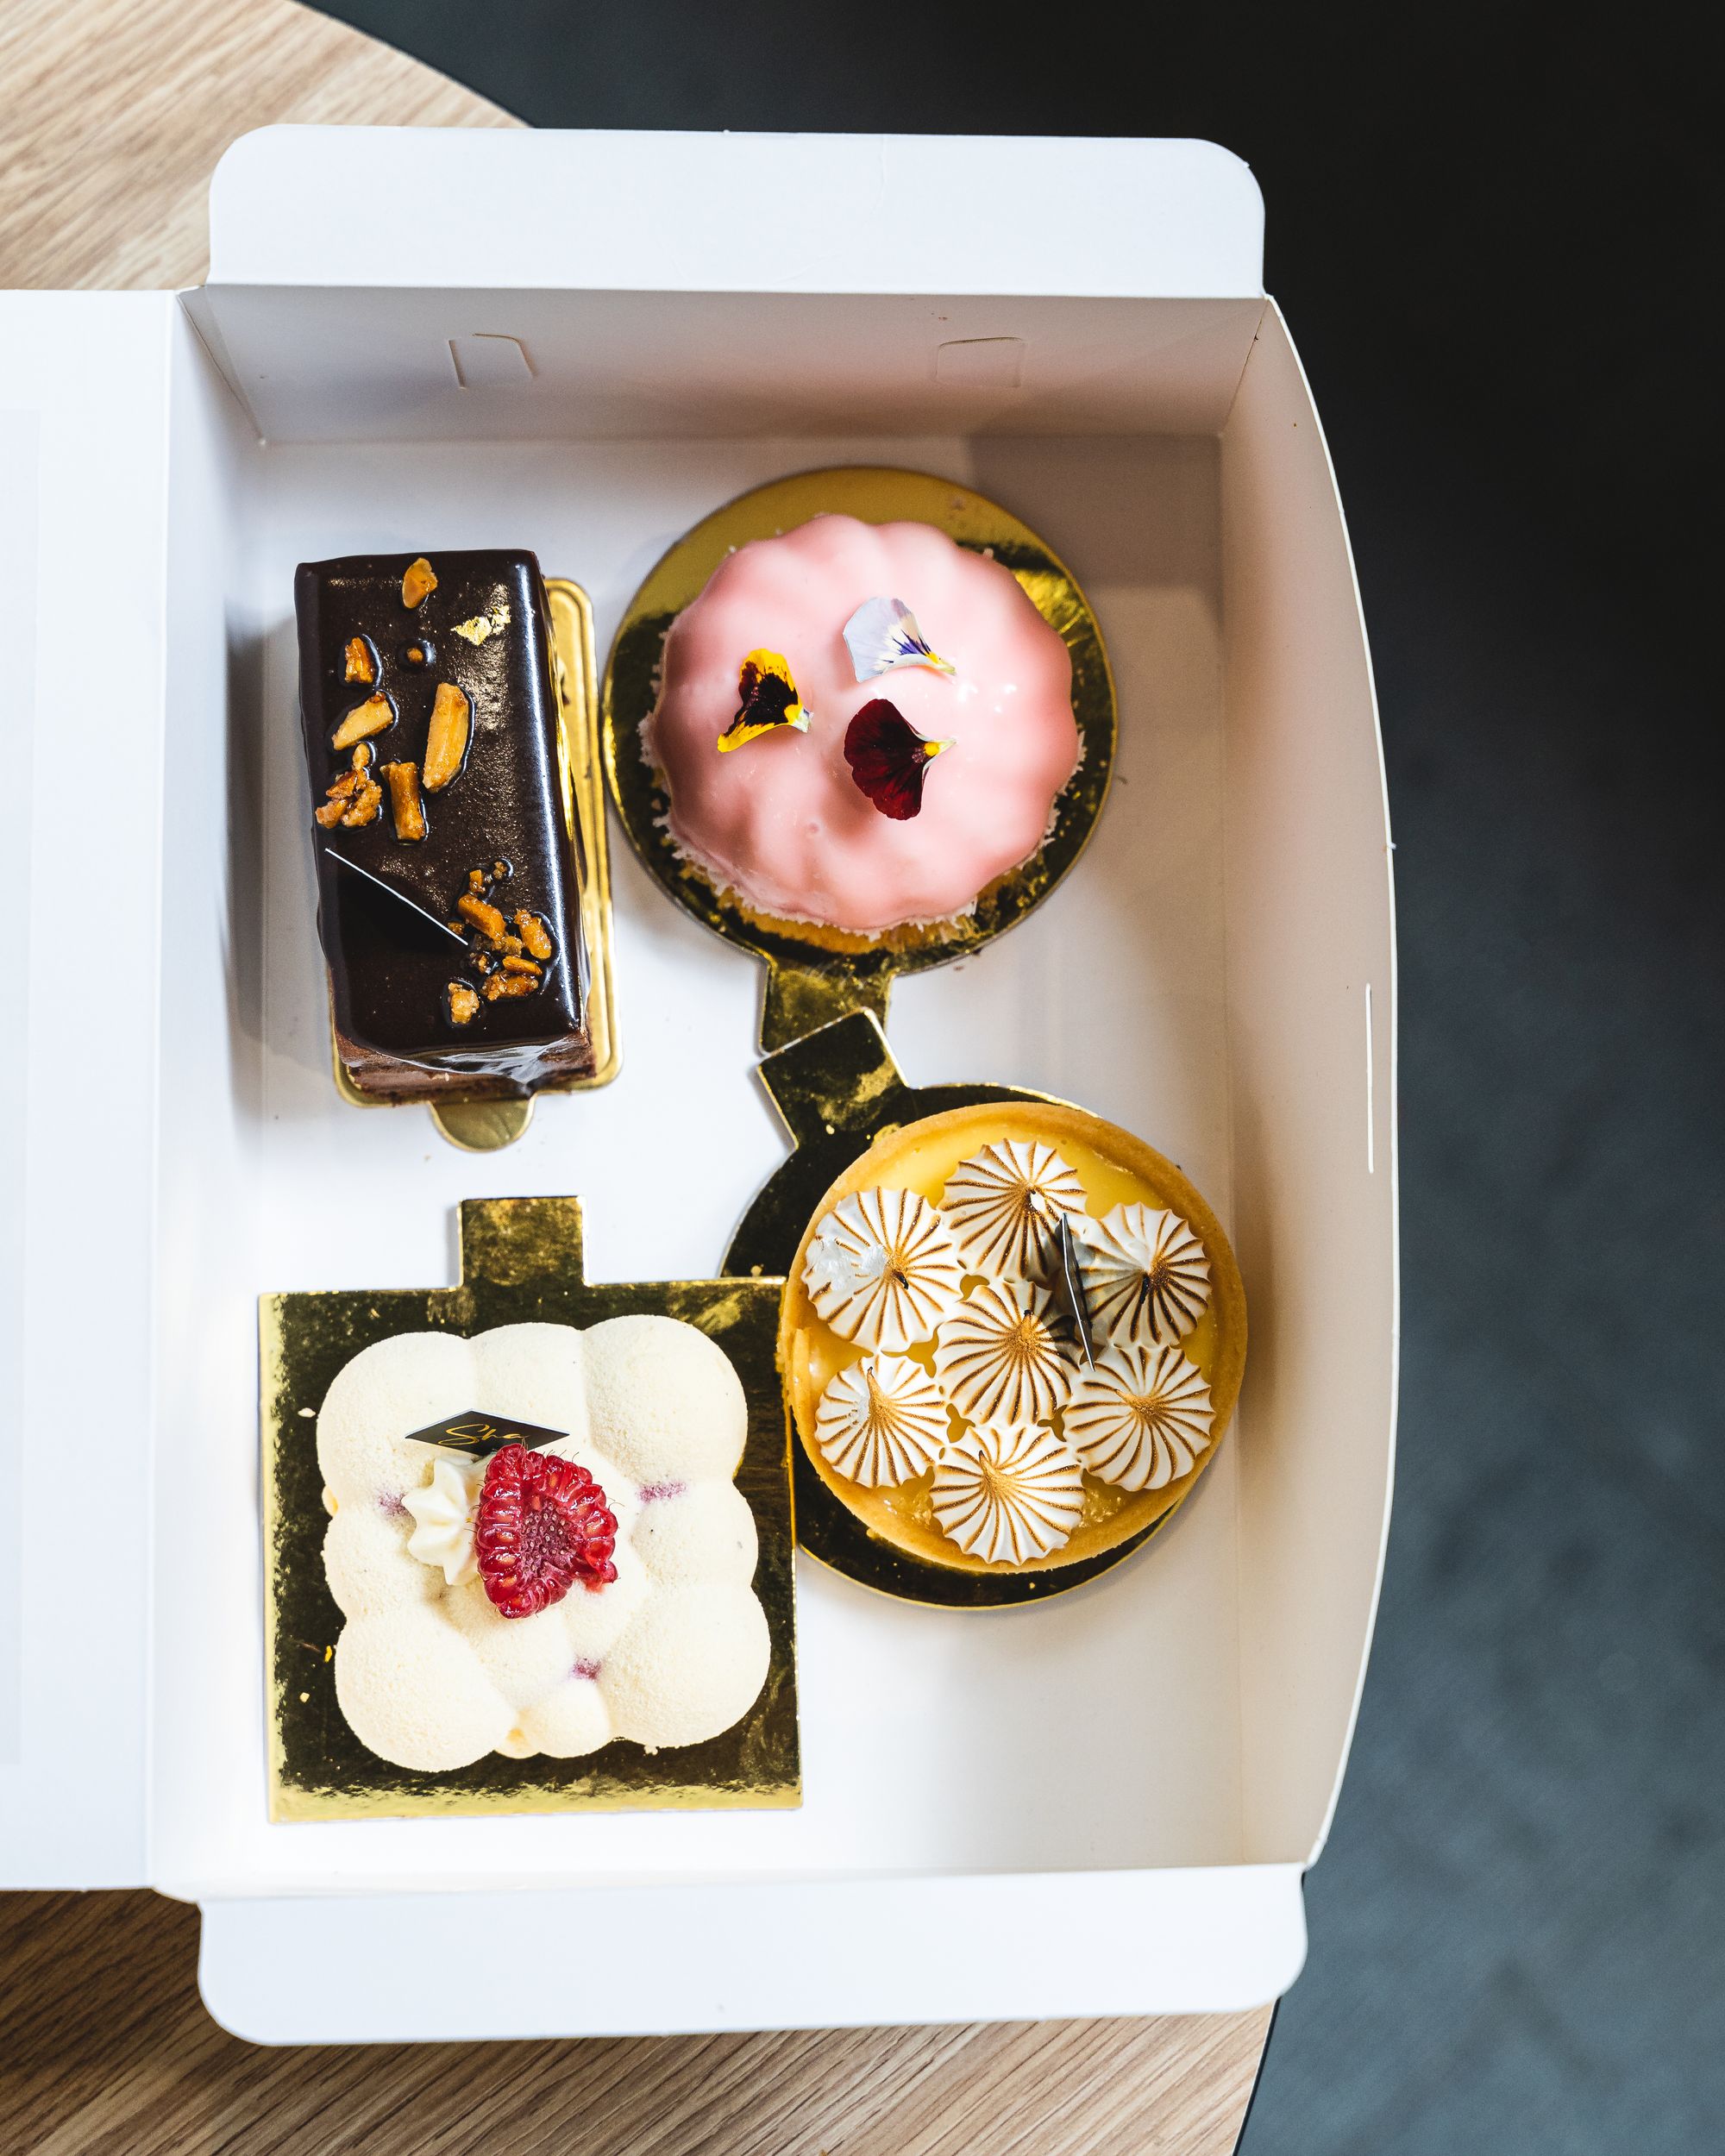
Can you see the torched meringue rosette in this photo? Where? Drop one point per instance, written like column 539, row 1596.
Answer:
column 882, row 1420
column 1003, row 1207
column 1146, row 1277
column 1002, row 1357
column 1141, row 1418
column 882, row 1270
column 1006, row 1496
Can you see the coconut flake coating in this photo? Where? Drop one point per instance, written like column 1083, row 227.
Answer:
column 781, row 821
column 431, row 1677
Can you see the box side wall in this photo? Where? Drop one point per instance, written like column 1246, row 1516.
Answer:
column 1311, row 990
column 208, row 1248
column 332, row 364
column 83, row 450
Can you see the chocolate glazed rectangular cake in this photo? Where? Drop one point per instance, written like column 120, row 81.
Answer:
column 449, row 894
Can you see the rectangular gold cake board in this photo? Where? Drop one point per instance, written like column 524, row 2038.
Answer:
column 521, row 1263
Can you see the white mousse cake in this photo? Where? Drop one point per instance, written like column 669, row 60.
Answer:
column 636, row 1618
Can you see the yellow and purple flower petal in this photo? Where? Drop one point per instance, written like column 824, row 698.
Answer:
column 887, row 758
column 768, row 701
column 883, row 633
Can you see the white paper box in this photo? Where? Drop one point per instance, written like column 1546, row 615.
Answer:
column 580, row 344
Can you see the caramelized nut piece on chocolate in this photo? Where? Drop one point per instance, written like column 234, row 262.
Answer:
column 535, row 936
column 419, row 653
column 359, row 666
column 484, row 917
column 418, row 583
column 366, row 804
column 508, row 984
column 462, row 1002
column 512, row 964
column 404, row 804
column 446, row 738
column 337, row 796
column 369, row 717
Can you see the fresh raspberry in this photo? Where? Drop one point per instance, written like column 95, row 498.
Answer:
column 542, row 1523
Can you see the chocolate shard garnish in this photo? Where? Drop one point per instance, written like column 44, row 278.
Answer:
column 887, row 758
column 1068, row 1289
column 489, row 793
column 422, row 915
column 479, row 1435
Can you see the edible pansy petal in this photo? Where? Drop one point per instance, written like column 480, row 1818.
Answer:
column 883, row 633
column 887, row 758
column 767, row 700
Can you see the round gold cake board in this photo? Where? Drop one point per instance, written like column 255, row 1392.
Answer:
column 852, row 1116
column 482, row 1126
column 816, row 975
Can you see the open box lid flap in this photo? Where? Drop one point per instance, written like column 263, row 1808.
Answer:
column 623, row 211
column 83, row 497
column 348, row 1969
column 376, row 284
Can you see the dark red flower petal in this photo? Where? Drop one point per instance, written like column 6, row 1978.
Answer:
column 887, row 758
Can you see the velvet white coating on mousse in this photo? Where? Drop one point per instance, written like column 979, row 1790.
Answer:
column 781, row 822
column 428, row 1675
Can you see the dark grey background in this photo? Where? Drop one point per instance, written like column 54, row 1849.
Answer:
column 1495, row 233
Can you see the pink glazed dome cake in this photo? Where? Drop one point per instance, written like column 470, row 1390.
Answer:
column 861, row 726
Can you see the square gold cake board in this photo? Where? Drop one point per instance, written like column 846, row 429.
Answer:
column 521, row 1263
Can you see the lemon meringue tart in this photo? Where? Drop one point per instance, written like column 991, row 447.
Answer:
column 932, row 1338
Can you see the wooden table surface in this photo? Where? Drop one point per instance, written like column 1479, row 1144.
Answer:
column 115, row 112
